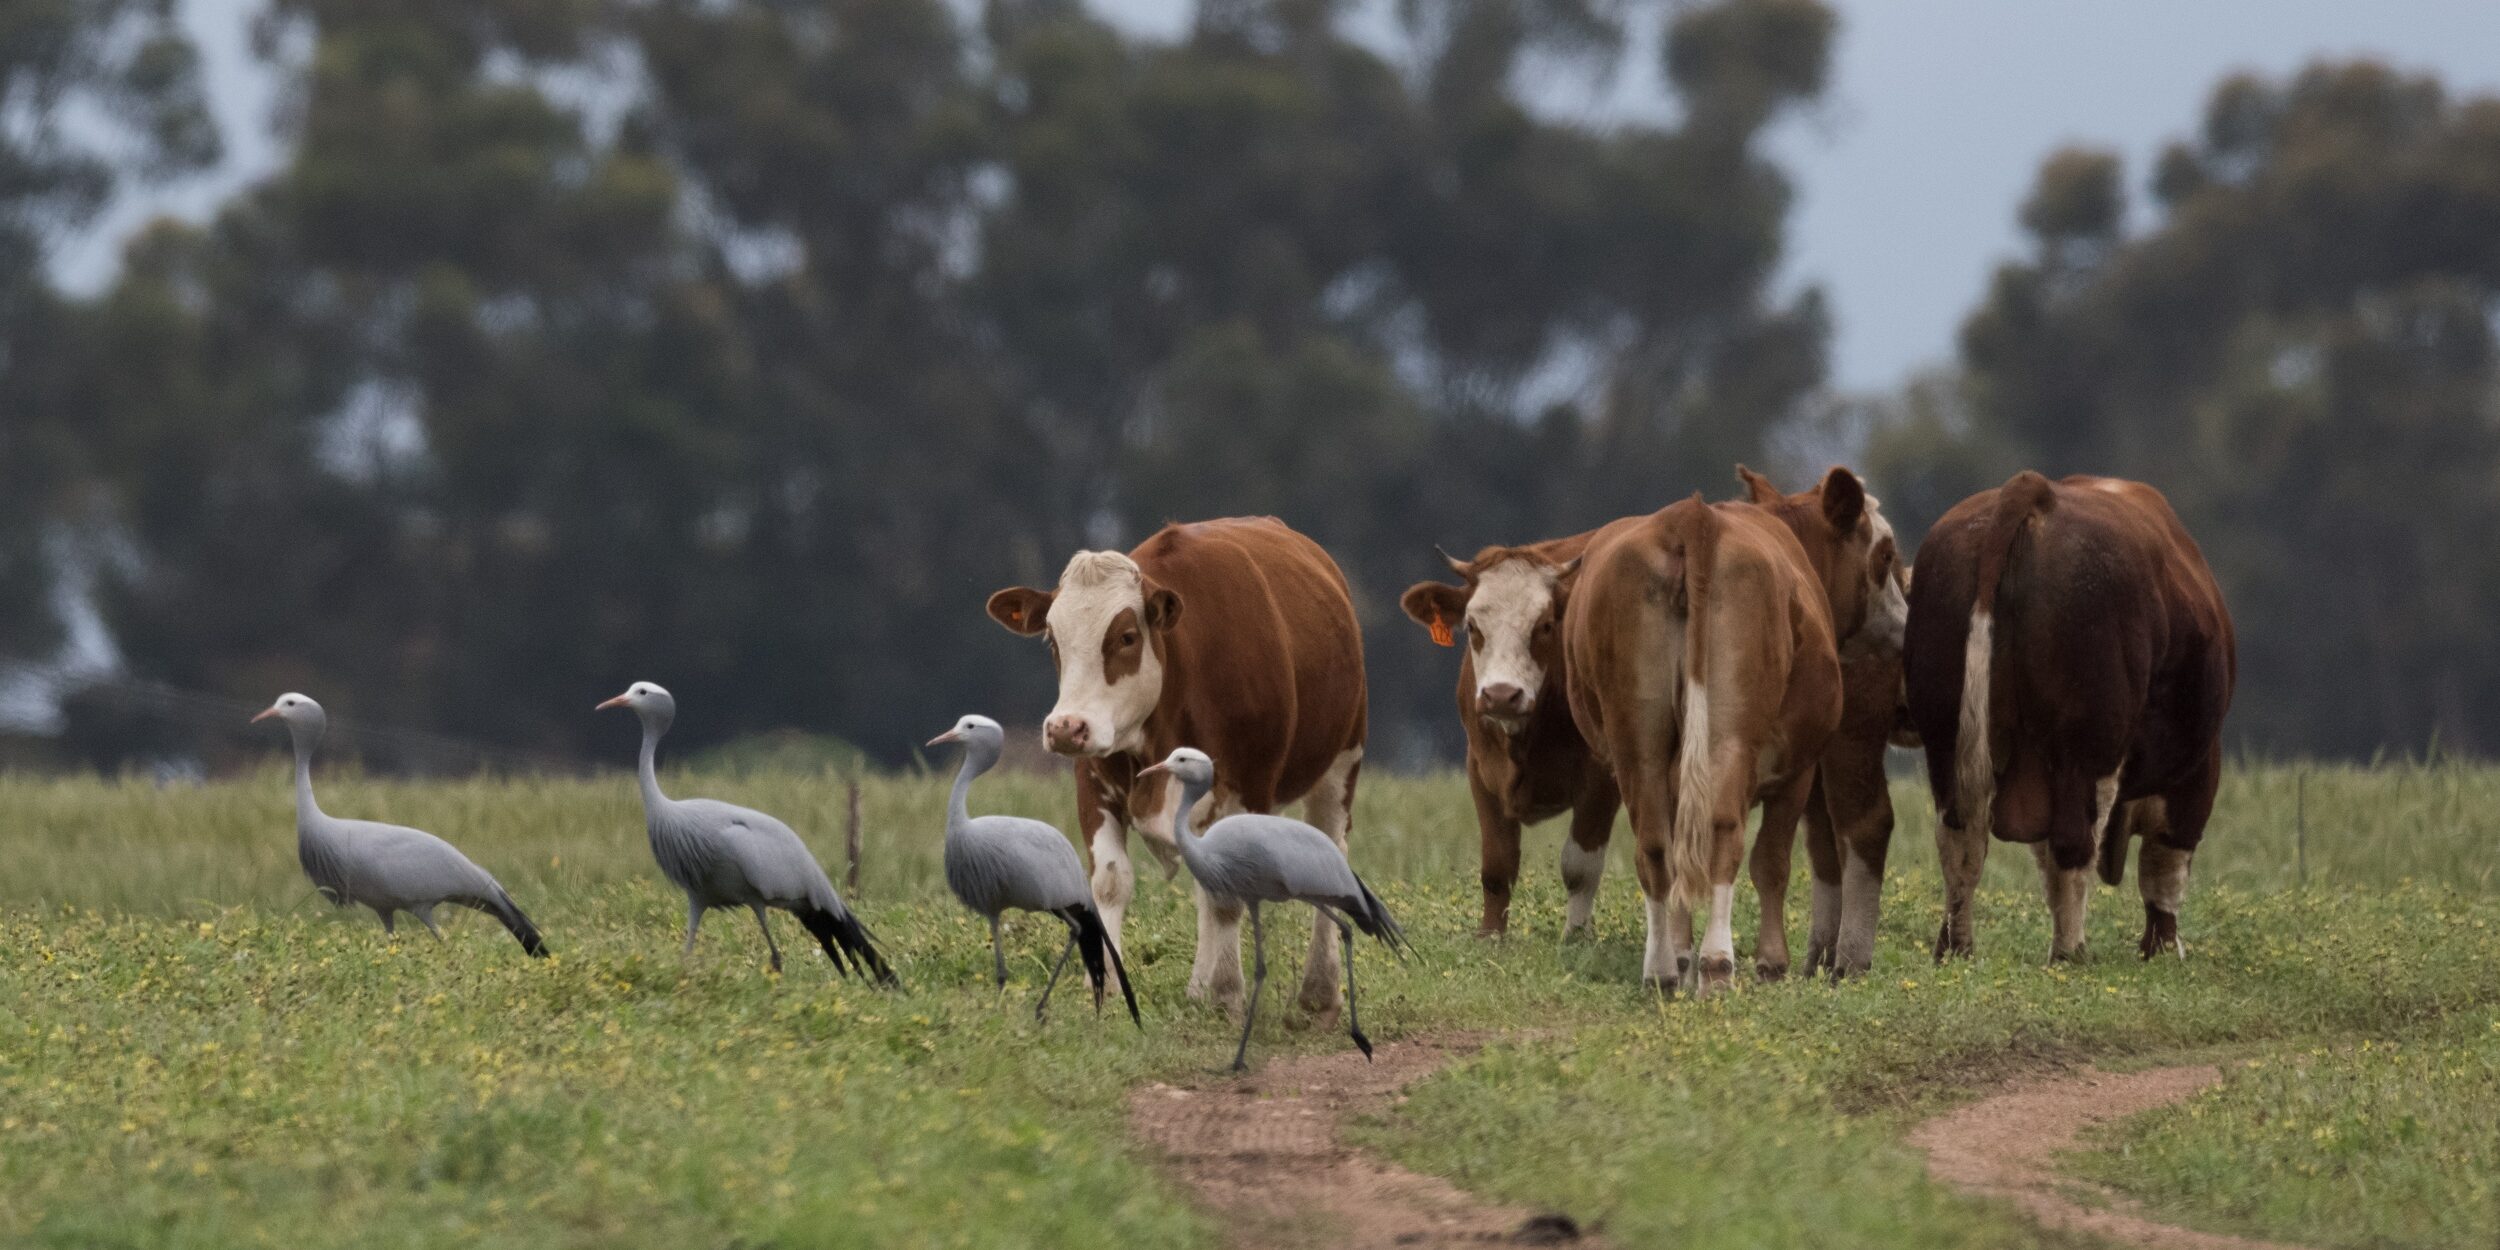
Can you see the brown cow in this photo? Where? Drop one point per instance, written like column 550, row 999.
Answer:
column 1850, row 808
column 1526, row 761
column 2069, row 660
column 1701, row 666
column 1236, row 637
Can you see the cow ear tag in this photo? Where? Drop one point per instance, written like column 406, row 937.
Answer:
column 1441, row 631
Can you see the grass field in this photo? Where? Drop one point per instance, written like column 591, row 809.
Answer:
column 193, row 1053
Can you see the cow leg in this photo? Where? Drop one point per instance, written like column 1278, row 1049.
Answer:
column 1652, row 810
column 1771, row 871
column 2161, row 872
column 1330, row 807
column 1823, row 860
column 1115, row 881
column 2066, row 868
column 1497, row 859
column 2170, row 842
column 1962, row 853
column 1584, row 856
column 1714, row 965
column 1857, row 810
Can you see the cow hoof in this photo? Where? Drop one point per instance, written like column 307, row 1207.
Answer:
column 1665, row 987
column 1579, row 935
column 1821, row 957
column 1683, row 966
column 1770, row 972
column 1718, row 973
column 2161, row 932
column 1947, row 945
column 2079, row 955
column 1493, row 931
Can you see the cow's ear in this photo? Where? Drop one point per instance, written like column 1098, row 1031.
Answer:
column 1022, row 609
column 1844, row 499
column 1163, row 606
column 1438, row 607
column 1758, row 488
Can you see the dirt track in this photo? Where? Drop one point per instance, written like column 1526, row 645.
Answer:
column 1265, row 1150
column 2002, row 1146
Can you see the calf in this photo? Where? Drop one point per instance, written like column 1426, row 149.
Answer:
column 1526, row 761
column 1263, row 670
column 1701, row 665
column 1849, row 814
column 2069, row 660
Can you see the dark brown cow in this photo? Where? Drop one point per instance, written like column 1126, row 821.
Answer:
column 1236, row 637
column 1526, row 761
column 1701, row 666
column 2069, row 659
column 1849, row 814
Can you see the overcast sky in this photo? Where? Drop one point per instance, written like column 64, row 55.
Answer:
column 1908, row 173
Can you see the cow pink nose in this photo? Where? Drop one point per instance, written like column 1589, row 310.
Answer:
column 1065, row 735
column 1502, row 699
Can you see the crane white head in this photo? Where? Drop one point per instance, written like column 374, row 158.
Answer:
column 1193, row 768
column 298, row 711
column 973, row 731
column 647, row 699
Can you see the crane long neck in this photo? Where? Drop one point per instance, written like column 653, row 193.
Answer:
column 652, row 799
column 958, row 804
column 1183, row 836
column 306, row 810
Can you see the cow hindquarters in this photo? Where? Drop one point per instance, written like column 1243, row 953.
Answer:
column 1330, row 807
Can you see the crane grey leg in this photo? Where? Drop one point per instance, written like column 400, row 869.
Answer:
column 1258, row 981
column 998, row 952
column 1055, row 970
column 766, row 926
column 1353, row 1018
column 694, row 921
column 389, row 929
column 425, row 916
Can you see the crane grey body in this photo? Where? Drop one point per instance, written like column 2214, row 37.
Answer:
column 389, row 868
column 996, row 864
column 723, row 855
column 1256, row 859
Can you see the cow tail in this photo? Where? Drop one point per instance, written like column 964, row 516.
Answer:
column 2024, row 497
column 1697, row 788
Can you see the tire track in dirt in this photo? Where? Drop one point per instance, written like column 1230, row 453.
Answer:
column 1266, row 1150
column 2004, row 1146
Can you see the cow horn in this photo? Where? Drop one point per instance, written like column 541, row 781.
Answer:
column 1457, row 565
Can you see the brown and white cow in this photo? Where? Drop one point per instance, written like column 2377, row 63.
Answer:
column 2069, row 661
column 1849, row 814
column 1526, row 761
column 1701, row 663
column 1236, row 637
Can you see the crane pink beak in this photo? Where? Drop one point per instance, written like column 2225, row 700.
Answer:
column 951, row 735
column 265, row 713
column 619, row 701
column 1151, row 769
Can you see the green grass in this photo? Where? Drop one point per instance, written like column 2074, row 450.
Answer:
column 194, row 1054
column 2354, row 1144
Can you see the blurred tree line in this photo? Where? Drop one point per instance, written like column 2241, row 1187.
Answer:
column 746, row 345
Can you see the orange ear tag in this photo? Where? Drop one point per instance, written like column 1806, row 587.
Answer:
column 1441, row 631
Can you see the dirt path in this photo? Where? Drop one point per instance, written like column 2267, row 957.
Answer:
column 1265, row 1150
column 2003, row 1146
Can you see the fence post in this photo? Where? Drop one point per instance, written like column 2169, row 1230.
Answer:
column 2300, row 824
column 850, row 840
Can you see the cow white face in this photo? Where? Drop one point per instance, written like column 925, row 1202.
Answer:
column 1512, row 607
column 1511, row 624
column 1105, row 625
column 1887, row 584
